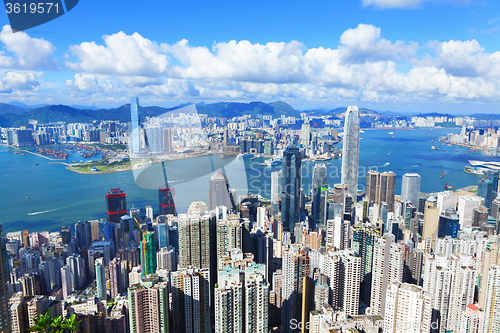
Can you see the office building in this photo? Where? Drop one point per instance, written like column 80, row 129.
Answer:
column 116, row 205
column 275, row 191
column 410, row 187
column 306, row 134
column 83, row 233
column 135, row 130
column 319, row 196
column 466, row 206
column 445, row 200
column 167, row 200
column 291, row 183
column 448, row 223
column 431, row 218
column 100, row 279
column 148, row 254
column 148, row 306
column 350, row 151
column 219, row 194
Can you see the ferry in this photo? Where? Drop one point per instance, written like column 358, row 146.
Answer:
column 273, row 162
column 244, row 155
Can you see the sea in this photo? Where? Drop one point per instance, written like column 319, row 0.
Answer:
column 36, row 195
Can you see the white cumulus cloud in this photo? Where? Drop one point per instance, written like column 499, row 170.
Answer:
column 25, row 52
column 122, row 54
column 16, row 81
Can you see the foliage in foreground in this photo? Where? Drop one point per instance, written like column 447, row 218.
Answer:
column 44, row 323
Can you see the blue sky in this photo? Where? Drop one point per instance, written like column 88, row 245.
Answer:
column 399, row 55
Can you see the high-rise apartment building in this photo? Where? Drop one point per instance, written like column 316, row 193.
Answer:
column 190, row 300
column 350, row 151
column 388, row 258
column 319, row 196
column 410, row 187
column 363, row 239
column 116, row 205
column 380, row 187
column 115, row 277
column 290, row 187
column 148, row 306
column 491, row 322
column 4, row 278
column 407, row 309
column 343, row 269
column 229, row 235
column 148, row 253
column 296, row 265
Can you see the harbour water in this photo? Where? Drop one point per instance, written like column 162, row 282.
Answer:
column 36, row 195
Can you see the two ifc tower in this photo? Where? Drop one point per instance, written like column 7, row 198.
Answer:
column 116, row 206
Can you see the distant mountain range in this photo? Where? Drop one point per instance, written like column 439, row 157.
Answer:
column 18, row 114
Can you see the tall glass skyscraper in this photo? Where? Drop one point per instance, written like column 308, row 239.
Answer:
column 290, row 187
column 350, row 151
column 320, row 184
column 410, row 187
column 134, row 141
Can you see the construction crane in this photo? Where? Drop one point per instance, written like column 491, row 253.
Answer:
column 484, row 178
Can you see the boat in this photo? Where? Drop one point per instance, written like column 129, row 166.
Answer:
column 36, row 163
column 435, row 148
column 391, row 133
column 273, row 162
column 244, row 155
column 388, row 154
column 442, row 174
column 448, row 187
column 22, row 154
column 27, row 197
column 456, row 149
column 432, row 141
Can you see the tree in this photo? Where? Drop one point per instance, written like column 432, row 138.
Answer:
column 44, row 323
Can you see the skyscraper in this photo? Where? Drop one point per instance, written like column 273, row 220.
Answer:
column 275, row 191
column 296, row 265
column 116, row 205
column 100, row 278
column 387, row 268
column 306, row 134
column 380, row 187
column 290, row 187
column 219, row 191
column 4, row 294
column 134, row 136
column 410, row 187
column 190, row 300
column 407, row 304
column 491, row 322
column 148, row 254
column 148, row 306
column 167, row 200
column 115, row 277
column 350, row 151
column 320, row 185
